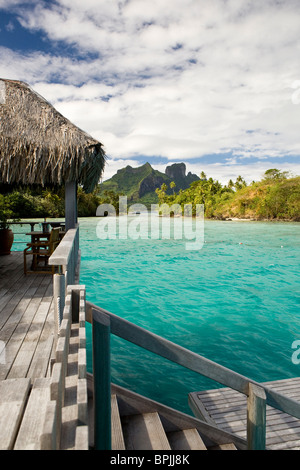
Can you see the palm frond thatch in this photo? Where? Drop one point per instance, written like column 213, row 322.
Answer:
column 40, row 146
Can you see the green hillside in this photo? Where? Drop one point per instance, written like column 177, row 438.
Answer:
column 139, row 184
column 275, row 197
column 271, row 199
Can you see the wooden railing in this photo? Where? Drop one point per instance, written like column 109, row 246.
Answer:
column 105, row 323
column 67, row 258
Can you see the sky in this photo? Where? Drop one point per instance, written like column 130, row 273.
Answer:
column 212, row 83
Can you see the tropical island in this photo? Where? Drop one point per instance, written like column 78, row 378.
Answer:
column 275, row 197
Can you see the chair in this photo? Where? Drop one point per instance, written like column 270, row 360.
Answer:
column 41, row 251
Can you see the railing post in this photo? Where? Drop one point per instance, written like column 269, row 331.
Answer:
column 75, row 291
column 101, row 372
column 66, row 255
column 59, row 294
column 256, row 418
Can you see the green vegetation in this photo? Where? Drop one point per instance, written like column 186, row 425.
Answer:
column 38, row 202
column 275, row 197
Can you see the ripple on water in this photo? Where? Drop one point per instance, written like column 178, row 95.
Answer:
column 236, row 302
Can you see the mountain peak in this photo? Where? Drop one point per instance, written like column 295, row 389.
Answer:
column 139, row 184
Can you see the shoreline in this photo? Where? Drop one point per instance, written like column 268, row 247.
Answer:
column 237, row 219
column 225, row 219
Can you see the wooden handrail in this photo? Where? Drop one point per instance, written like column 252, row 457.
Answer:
column 62, row 254
column 193, row 361
column 66, row 257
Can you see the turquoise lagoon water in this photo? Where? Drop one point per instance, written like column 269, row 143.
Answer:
column 236, row 301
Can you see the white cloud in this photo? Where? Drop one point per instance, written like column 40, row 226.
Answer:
column 179, row 78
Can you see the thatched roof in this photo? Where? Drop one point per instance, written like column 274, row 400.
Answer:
column 40, row 146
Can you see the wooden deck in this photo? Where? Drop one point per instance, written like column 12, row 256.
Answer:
column 228, row 410
column 26, row 320
column 43, row 389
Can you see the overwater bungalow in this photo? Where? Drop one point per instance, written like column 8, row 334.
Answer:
column 48, row 399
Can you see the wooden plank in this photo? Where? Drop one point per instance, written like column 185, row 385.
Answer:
column 57, row 395
column 144, row 432
column 17, row 314
column 229, row 411
column 13, row 396
column 82, row 438
column 117, row 439
column 82, row 337
column 62, row 349
column 224, row 447
column 82, row 363
column 25, row 354
column 187, row 439
column 21, row 321
column 82, row 308
column 82, row 402
column 34, row 417
column 48, row 438
column 199, row 410
column 69, row 415
column 62, row 253
column 40, row 361
column 14, row 296
column 75, row 410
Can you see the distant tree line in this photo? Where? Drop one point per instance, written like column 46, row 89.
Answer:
column 276, row 196
column 38, row 202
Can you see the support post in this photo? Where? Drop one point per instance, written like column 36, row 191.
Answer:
column 59, row 300
column 102, row 381
column 256, row 418
column 75, row 290
column 71, row 204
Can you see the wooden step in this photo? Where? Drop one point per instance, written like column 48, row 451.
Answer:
column 188, row 439
column 223, row 447
column 117, row 439
column 144, row 432
column 34, row 417
column 13, row 398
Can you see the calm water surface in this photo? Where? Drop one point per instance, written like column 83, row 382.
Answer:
column 235, row 301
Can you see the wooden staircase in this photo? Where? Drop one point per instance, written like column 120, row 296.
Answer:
column 145, row 431
column 138, row 423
